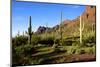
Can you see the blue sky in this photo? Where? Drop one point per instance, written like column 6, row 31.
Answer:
column 42, row 14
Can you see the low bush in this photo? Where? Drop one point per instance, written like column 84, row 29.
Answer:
column 72, row 49
column 20, row 40
column 80, row 51
column 22, row 53
column 35, row 39
column 89, row 39
column 48, row 41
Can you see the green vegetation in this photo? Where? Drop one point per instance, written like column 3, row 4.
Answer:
column 40, row 50
column 62, row 44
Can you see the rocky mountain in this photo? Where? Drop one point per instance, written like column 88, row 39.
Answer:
column 43, row 29
column 71, row 27
column 88, row 18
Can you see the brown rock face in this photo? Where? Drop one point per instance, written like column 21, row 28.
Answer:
column 90, row 14
column 88, row 17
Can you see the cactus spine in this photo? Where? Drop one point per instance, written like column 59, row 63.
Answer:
column 29, row 31
column 81, row 29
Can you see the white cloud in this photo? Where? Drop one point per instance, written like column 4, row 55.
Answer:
column 76, row 6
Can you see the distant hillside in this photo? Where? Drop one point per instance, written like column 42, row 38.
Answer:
column 71, row 27
column 88, row 17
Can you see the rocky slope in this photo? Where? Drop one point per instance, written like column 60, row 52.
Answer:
column 71, row 27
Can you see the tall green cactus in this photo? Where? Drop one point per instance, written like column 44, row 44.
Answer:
column 60, row 30
column 53, row 35
column 18, row 33
column 46, row 30
column 60, row 33
column 29, row 31
column 93, row 27
column 23, row 33
column 81, row 29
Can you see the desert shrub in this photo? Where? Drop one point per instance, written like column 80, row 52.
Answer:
column 20, row 40
column 67, row 42
column 71, row 41
column 89, row 44
column 47, row 41
column 58, row 50
column 80, row 51
column 94, row 49
column 89, row 38
column 90, row 50
column 35, row 39
column 25, row 49
column 22, row 53
column 77, row 43
column 72, row 50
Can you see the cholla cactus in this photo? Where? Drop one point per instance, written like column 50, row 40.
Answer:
column 81, row 29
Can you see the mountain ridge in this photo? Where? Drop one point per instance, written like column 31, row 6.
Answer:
column 71, row 26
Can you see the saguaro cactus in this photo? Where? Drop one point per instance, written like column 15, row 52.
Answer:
column 81, row 29
column 60, row 30
column 60, row 33
column 29, row 31
column 46, row 30
column 53, row 34
column 93, row 27
column 18, row 33
column 23, row 33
